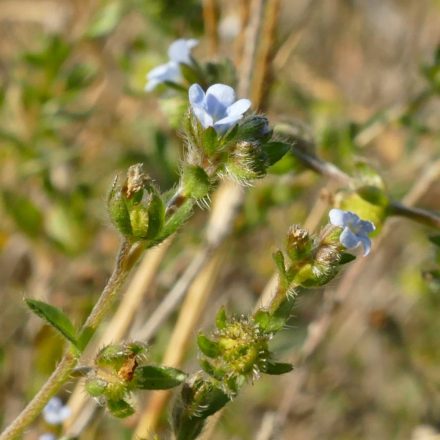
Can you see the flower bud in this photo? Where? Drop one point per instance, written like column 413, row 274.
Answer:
column 247, row 161
column 136, row 208
column 299, row 243
column 254, row 128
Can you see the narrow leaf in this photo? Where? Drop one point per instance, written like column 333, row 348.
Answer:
column 182, row 214
column 120, row 408
column 54, row 317
column 276, row 368
column 157, row 378
column 207, row 347
column 275, row 151
column 435, row 239
column 221, row 319
column 267, row 322
column 346, row 258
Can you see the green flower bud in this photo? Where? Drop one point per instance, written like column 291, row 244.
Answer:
column 136, row 208
column 299, row 243
column 254, row 128
column 95, row 386
column 247, row 161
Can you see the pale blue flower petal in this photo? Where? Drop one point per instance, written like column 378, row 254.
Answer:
column 216, row 108
column 196, row 95
column 218, row 98
column 204, row 118
column 160, row 74
column 366, row 244
column 239, row 107
column 47, row 436
column 55, row 412
column 225, row 124
column 338, row 217
column 367, row 227
column 348, row 239
column 180, row 50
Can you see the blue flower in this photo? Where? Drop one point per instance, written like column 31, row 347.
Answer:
column 179, row 52
column 355, row 231
column 55, row 412
column 218, row 107
column 47, row 436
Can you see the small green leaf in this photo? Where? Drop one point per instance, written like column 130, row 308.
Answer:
column 54, row 317
column 278, row 258
column 181, row 216
column 275, row 151
column 84, row 337
column 221, row 319
column 267, row 322
column 106, row 20
column 276, row 368
column 210, row 140
column 120, row 408
column 207, row 347
column 214, row 400
column 435, row 239
column 346, row 258
column 195, row 181
column 373, row 195
column 26, row 215
column 157, row 378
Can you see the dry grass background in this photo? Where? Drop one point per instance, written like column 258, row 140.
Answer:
column 376, row 373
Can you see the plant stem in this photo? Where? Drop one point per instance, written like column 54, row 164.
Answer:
column 62, row 373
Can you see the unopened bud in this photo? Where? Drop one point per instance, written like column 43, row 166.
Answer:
column 247, row 161
column 299, row 243
column 254, row 128
column 136, row 208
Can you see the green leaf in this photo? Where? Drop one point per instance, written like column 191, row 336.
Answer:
column 374, row 195
column 54, row 317
column 195, row 181
column 106, row 20
column 346, row 258
column 221, row 318
column 26, row 215
column 85, row 337
column 276, row 368
column 157, row 378
column 435, row 239
column 180, row 216
column 213, row 401
column 278, row 258
column 275, row 151
column 267, row 322
column 120, row 408
column 210, row 140
column 207, row 347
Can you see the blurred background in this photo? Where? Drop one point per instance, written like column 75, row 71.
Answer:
column 354, row 75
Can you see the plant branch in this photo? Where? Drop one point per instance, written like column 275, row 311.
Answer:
column 396, row 208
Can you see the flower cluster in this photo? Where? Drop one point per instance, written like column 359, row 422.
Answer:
column 179, row 53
